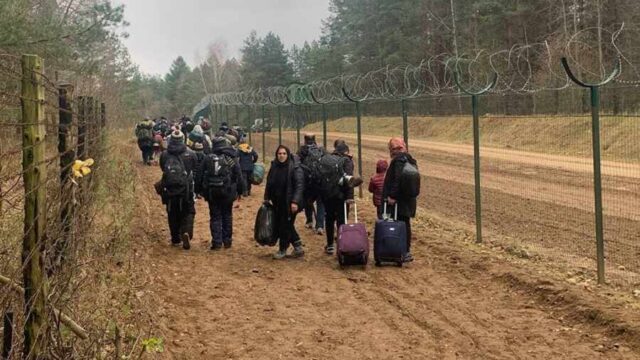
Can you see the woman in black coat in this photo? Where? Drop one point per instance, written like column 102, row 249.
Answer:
column 285, row 188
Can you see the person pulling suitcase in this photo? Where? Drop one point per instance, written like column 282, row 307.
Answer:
column 402, row 187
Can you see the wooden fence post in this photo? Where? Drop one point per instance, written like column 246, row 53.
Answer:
column 35, row 209
column 82, row 128
column 67, row 155
column 7, row 338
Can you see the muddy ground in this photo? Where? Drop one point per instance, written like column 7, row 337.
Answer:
column 456, row 301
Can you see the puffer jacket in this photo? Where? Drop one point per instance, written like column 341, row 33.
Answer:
column 377, row 181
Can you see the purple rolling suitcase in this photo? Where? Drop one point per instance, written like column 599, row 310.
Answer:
column 390, row 239
column 353, row 241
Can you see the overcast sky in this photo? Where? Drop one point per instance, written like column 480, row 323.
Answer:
column 161, row 30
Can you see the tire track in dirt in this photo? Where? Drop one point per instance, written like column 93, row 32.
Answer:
column 241, row 304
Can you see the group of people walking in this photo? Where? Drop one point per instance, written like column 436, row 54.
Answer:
column 220, row 168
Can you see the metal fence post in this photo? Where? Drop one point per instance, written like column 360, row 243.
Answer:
column 358, row 134
column 324, row 126
column 264, row 137
column 35, row 207
column 405, row 122
column 279, row 125
column 597, row 175
column 476, row 145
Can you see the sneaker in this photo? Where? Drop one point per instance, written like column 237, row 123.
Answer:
column 215, row 246
column 308, row 225
column 298, row 251
column 329, row 249
column 320, row 231
column 408, row 257
column 176, row 244
column 185, row 241
column 227, row 245
column 280, row 255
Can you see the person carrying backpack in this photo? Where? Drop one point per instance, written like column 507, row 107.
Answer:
column 375, row 185
column 337, row 183
column 144, row 134
column 310, row 154
column 247, row 158
column 219, row 180
column 402, row 186
column 284, row 190
column 176, row 187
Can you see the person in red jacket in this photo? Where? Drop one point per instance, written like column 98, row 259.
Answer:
column 375, row 185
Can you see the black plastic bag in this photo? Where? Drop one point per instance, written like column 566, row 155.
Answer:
column 263, row 231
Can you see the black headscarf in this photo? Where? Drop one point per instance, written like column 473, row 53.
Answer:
column 279, row 177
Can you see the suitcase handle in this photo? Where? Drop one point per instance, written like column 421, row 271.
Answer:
column 384, row 211
column 355, row 212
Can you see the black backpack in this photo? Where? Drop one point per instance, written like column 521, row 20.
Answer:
column 330, row 171
column 409, row 181
column 218, row 182
column 311, row 165
column 175, row 178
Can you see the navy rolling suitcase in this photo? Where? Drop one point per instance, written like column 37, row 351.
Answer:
column 390, row 239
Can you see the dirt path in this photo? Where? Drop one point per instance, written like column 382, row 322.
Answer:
column 453, row 302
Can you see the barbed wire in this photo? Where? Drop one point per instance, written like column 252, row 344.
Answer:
column 521, row 69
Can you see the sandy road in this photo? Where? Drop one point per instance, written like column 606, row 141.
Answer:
column 451, row 303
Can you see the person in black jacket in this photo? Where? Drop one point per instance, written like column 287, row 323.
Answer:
column 247, row 157
column 308, row 153
column 285, row 188
column 334, row 206
column 220, row 186
column 180, row 207
column 391, row 192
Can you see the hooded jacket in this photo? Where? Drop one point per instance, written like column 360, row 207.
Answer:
column 377, row 181
column 248, row 156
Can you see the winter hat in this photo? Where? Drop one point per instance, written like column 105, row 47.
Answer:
column 219, row 143
column 381, row 166
column 177, row 136
column 397, row 146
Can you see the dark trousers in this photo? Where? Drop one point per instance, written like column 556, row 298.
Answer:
column 308, row 212
column 407, row 220
column 146, row 147
column 334, row 217
column 247, row 180
column 286, row 230
column 180, row 214
column 221, row 221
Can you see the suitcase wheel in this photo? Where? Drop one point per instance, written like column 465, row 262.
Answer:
column 341, row 260
column 365, row 258
column 399, row 263
column 378, row 263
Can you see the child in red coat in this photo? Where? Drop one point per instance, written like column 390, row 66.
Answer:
column 375, row 185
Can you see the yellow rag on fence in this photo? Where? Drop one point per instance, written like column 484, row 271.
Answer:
column 81, row 168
